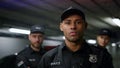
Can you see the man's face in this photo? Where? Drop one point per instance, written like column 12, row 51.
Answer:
column 73, row 28
column 103, row 40
column 36, row 39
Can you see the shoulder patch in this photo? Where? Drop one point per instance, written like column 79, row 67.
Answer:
column 20, row 63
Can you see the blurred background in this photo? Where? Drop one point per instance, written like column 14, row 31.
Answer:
column 17, row 16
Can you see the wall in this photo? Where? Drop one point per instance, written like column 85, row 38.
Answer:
column 10, row 45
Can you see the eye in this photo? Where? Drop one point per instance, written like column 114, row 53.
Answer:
column 40, row 36
column 67, row 22
column 33, row 36
column 79, row 22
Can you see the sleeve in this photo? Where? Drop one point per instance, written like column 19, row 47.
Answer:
column 21, row 62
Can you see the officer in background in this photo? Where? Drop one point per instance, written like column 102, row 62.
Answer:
column 103, row 39
column 9, row 61
column 31, row 55
column 74, row 52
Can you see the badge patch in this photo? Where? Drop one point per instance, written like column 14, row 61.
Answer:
column 20, row 63
column 32, row 60
column 55, row 63
column 93, row 58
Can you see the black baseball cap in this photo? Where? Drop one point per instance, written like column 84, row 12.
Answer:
column 105, row 31
column 37, row 29
column 72, row 11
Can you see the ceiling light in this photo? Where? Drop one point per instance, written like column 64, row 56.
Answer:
column 119, row 46
column 113, row 44
column 57, row 37
column 16, row 54
column 91, row 41
column 63, row 37
column 116, row 21
column 21, row 31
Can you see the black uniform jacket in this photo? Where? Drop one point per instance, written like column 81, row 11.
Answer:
column 109, row 59
column 29, row 57
column 87, row 57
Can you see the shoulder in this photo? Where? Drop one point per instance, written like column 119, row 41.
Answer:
column 100, row 51
column 8, row 61
column 51, row 52
column 24, row 52
column 92, row 47
column 95, row 49
column 48, row 57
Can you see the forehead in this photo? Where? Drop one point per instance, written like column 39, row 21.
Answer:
column 103, row 36
column 74, row 18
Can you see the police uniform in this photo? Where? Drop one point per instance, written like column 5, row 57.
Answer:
column 61, row 57
column 106, row 32
column 29, row 57
column 109, row 58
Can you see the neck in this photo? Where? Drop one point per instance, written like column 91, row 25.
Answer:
column 74, row 46
column 35, row 48
column 100, row 45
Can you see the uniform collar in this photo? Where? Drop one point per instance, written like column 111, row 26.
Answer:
column 32, row 51
column 62, row 47
column 103, row 48
column 100, row 46
column 83, row 48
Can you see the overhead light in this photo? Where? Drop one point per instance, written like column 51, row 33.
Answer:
column 21, row 31
column 63, row 37
column 113, row 44
column 16, row 54
column 57, row 37
column 116, row 21
column 91, row 41
column 119, row 46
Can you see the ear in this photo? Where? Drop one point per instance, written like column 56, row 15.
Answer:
column 86, row 25
column 61, row 27
column 29, row 36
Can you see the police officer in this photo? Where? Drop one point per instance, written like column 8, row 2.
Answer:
column 9, row 61
column 103, row 39
column 74, row 52
column 31, row 55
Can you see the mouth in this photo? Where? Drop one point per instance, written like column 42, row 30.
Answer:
column 73, row 33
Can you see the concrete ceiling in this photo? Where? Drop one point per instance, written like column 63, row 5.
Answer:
column 24, row 13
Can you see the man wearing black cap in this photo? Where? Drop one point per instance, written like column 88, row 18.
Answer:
column 31, row 55
column 103, row 39
column 74, row 52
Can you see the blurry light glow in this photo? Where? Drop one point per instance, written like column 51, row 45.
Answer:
column 119, row 45
column 51, row 43
column 56, row 37
column 16, row 53
column 113, row 44
column 116, row 21
column 91, row 41
column 64, row 37
column 21, row 31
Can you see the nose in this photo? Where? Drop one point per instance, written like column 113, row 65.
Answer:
column 73, row 26
column 37, row 38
